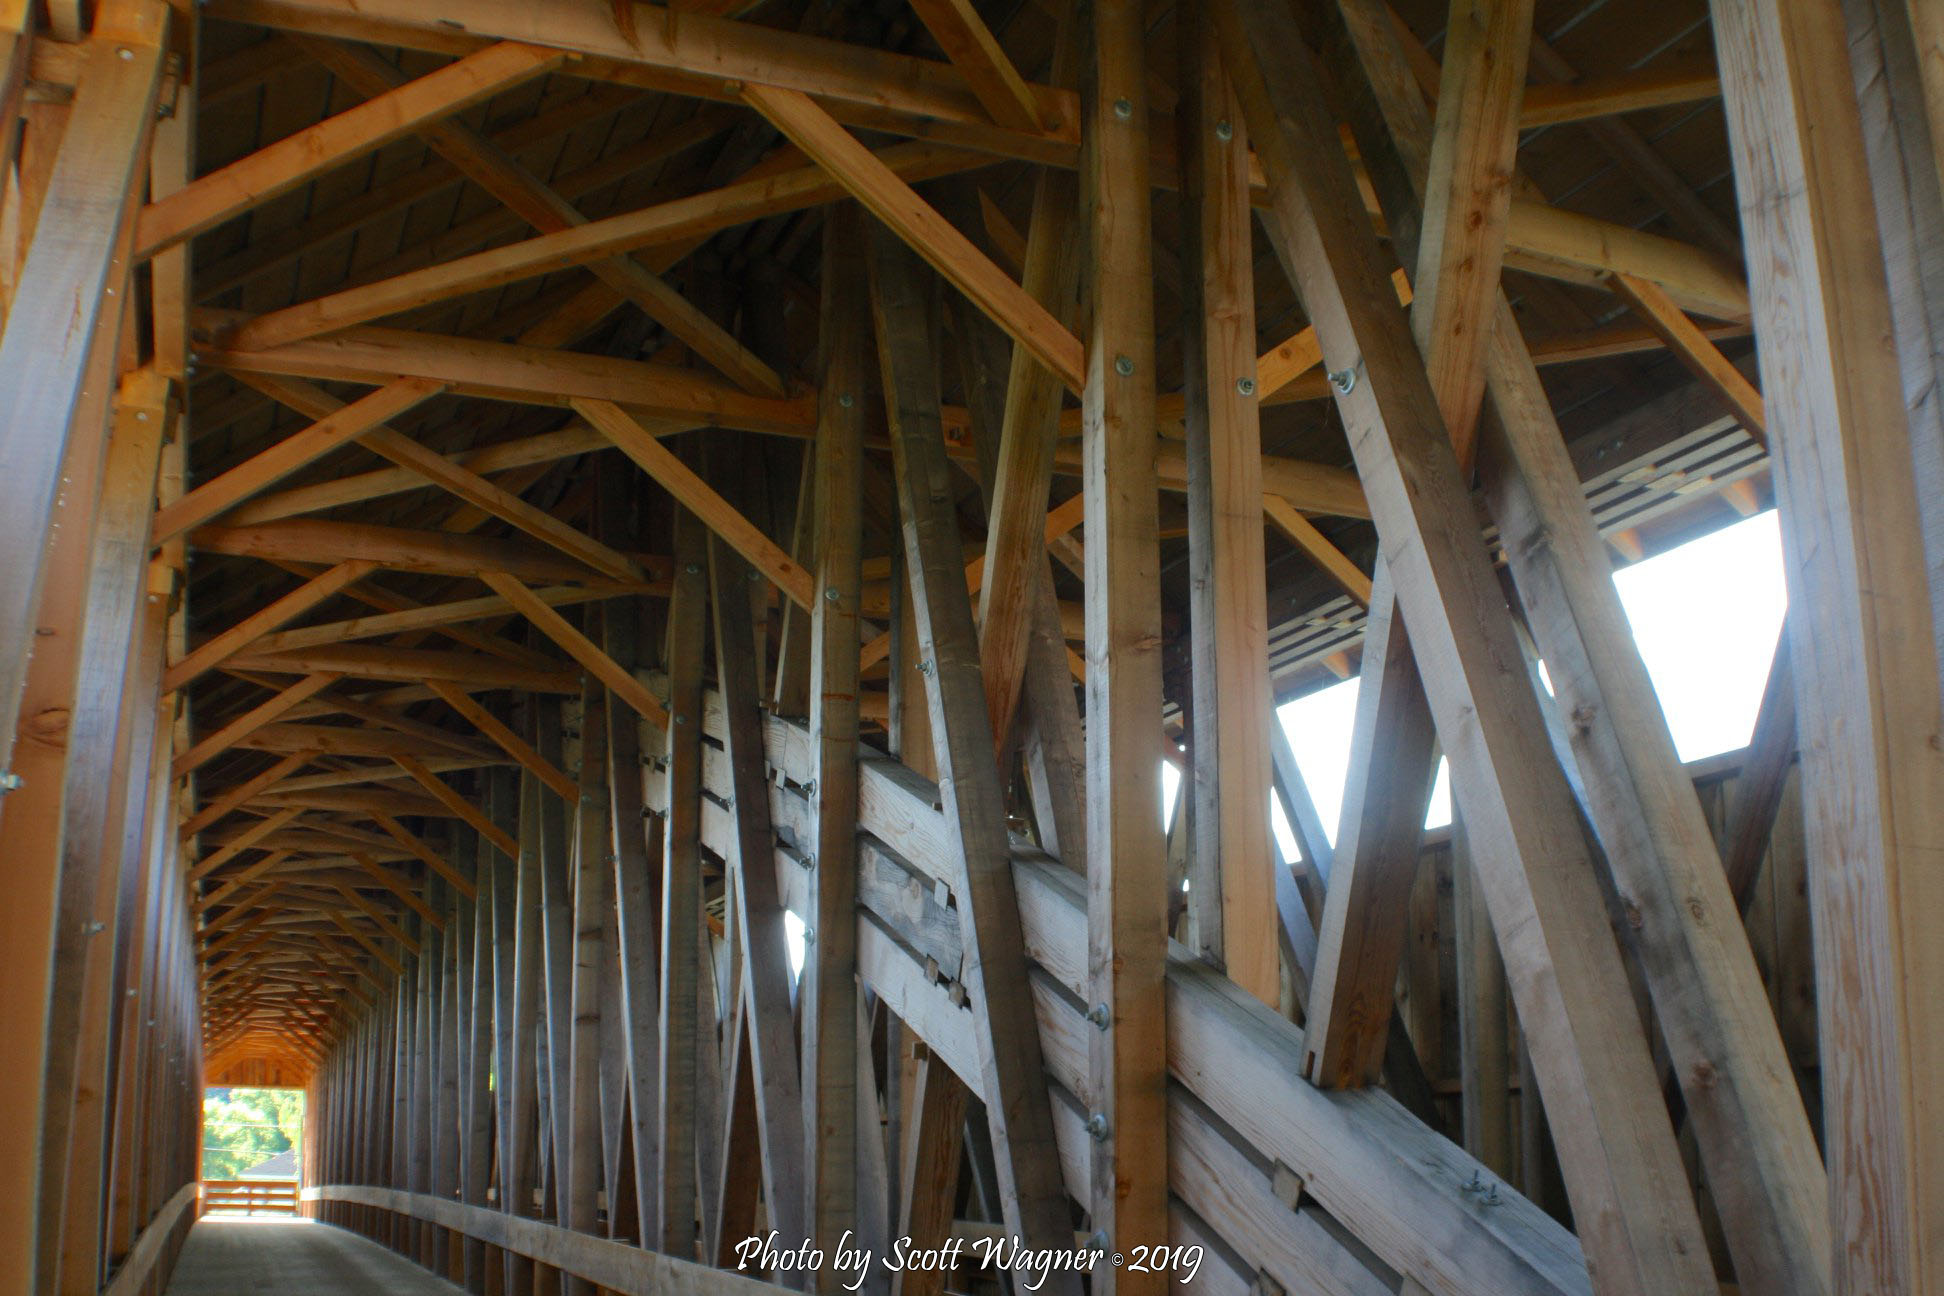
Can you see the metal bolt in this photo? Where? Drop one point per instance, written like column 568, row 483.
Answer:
column 752, row 575
column 1246, row 386
column 9, row 781
column 1224, row 131
column 925, row 668
column 681, row 719
column 1344, row 380
column 831, row 595
column 845, row 402
column 1099, row 1015
column 1123, row 109
column 1123, row 366
column 810, row 788
column 692, row 568
column 1097, row 1126
column 95, row 928
column 124, row 53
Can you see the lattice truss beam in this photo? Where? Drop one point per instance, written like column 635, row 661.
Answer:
column 555, row 507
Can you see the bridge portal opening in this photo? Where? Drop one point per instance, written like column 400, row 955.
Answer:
column 252, row 1150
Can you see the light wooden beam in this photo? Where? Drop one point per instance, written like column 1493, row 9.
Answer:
column 357, row 487
column 518, row 371
column 1707, row 992
column 466, row 810
column 218, row 648
column 765, row 996
column 1455, row 235
column 831, row 1047
column 1693, row 349
column 68, row 285
column 579, row 647
column 1126, row 864
column 1232, row 881
column 547, row 211
column 1861, row 632
column 394, row 884
column 371, row 946
column 305, row 540
column 295, row 159
column 378, row 916
column 1764, row 777
column 659, row 225
column 1616, row 1147
column 1289, row 520
column 509, row 742
column 692, row 52
column 1023, row 469
column 340, row 426
column 250, row 721
column 241, row 793
column 865, row 176
column 1008, row 1052
column 686, row 1030
column 976, row 53
column 878, row 90
column 243, row 841
column 368, row 661
column 696, row 495
column 434, row 615
column 16, row 61
column 1588, row 98
column 458, row 480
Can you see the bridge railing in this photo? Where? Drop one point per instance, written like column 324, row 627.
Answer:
column 249, row 1196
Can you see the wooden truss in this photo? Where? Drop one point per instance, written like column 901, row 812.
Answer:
column 605, row 588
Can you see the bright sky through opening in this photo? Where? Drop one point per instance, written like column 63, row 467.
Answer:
column 1705, row 616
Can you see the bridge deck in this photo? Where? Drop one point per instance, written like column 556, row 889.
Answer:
column 233, row 1257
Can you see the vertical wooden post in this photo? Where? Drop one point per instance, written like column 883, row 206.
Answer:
column 477, row 1036
column 583, row 1178
column 1010, row 1068
column 103, row 803
column 1900, row 96
column 1638, row 1222
column 557, row 975
column 518, row 1174
column 1232, row 898
column 1127, row 902
column 1860, row 627
column 1484, row 1049
column 637, row 889
column 829, row 989
column 771, row 1038
column 445, row 1157
column 930, row 1162
column 65, row 289
column 681, row 1028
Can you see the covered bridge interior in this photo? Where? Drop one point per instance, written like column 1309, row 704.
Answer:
column 606, row 589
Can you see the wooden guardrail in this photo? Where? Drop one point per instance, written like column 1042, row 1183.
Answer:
column 155, row 1250
column 250, row 1196
column 618, row 1267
